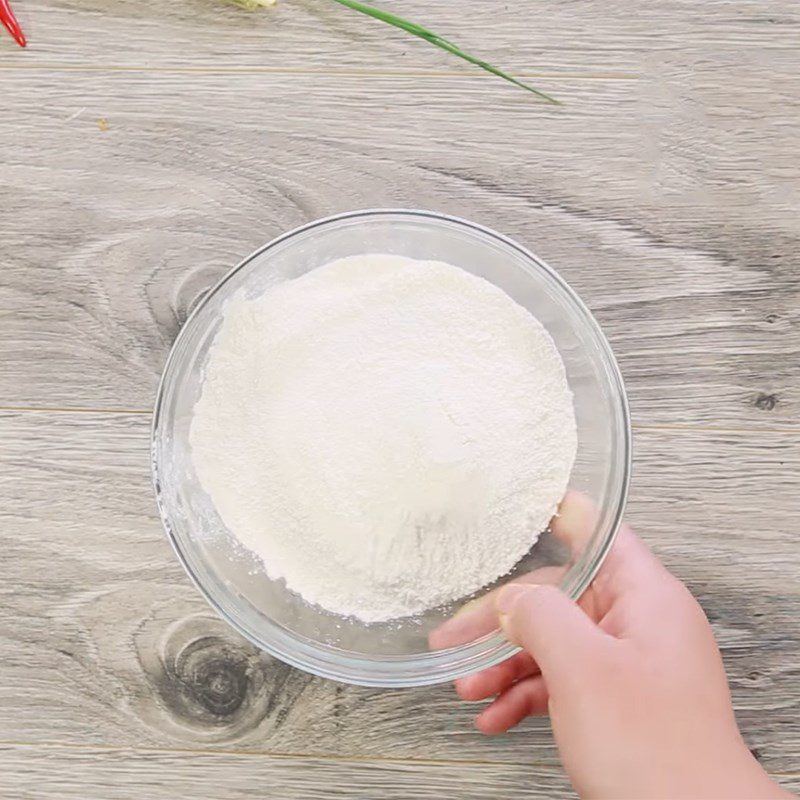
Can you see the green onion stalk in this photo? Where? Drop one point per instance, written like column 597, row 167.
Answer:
column 421, row 33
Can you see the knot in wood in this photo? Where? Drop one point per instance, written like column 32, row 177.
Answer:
column 766, row 402
column 215, row 675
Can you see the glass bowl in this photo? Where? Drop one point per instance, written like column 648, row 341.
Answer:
column 447, row 642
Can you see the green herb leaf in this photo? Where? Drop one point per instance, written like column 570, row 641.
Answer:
column 438, row 41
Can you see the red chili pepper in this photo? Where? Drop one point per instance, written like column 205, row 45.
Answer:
column 10, row 21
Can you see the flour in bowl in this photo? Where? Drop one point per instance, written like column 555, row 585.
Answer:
column 386, row 435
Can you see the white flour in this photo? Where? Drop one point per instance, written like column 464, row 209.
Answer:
column 387, row 435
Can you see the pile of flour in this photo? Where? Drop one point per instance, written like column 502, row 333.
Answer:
column 387, row 435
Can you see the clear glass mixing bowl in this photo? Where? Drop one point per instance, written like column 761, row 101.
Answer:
column 439, row 645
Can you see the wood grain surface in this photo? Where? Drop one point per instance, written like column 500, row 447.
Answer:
column 147, row 147
column 39, row 773
column 43, row 773
column 549, row 37
column 128, row 655
column 133, row 222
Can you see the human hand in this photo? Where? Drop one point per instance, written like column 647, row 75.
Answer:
column 631, row 676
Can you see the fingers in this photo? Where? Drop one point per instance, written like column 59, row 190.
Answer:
column 575, row 525
column 629, row 568
column 526, row 698
column 552, row 628
column 631, row 572
column 478, row 617
column 496, row 679
column 630, row 555
column 470, row 622
column 575, row 521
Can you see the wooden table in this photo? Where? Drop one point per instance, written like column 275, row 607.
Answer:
column 148, row 146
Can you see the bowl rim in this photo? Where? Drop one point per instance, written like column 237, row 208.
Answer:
column 421, row 669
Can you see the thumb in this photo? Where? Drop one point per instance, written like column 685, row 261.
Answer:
column 551, row 627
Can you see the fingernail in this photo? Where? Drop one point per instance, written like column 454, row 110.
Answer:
column 508, row 597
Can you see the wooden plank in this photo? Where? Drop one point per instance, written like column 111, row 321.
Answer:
column 682, row 237
column 670, row 202
column 106, row 774
column 532, row 36
column 105, row 641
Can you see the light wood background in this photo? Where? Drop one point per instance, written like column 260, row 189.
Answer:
column 148, row 146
